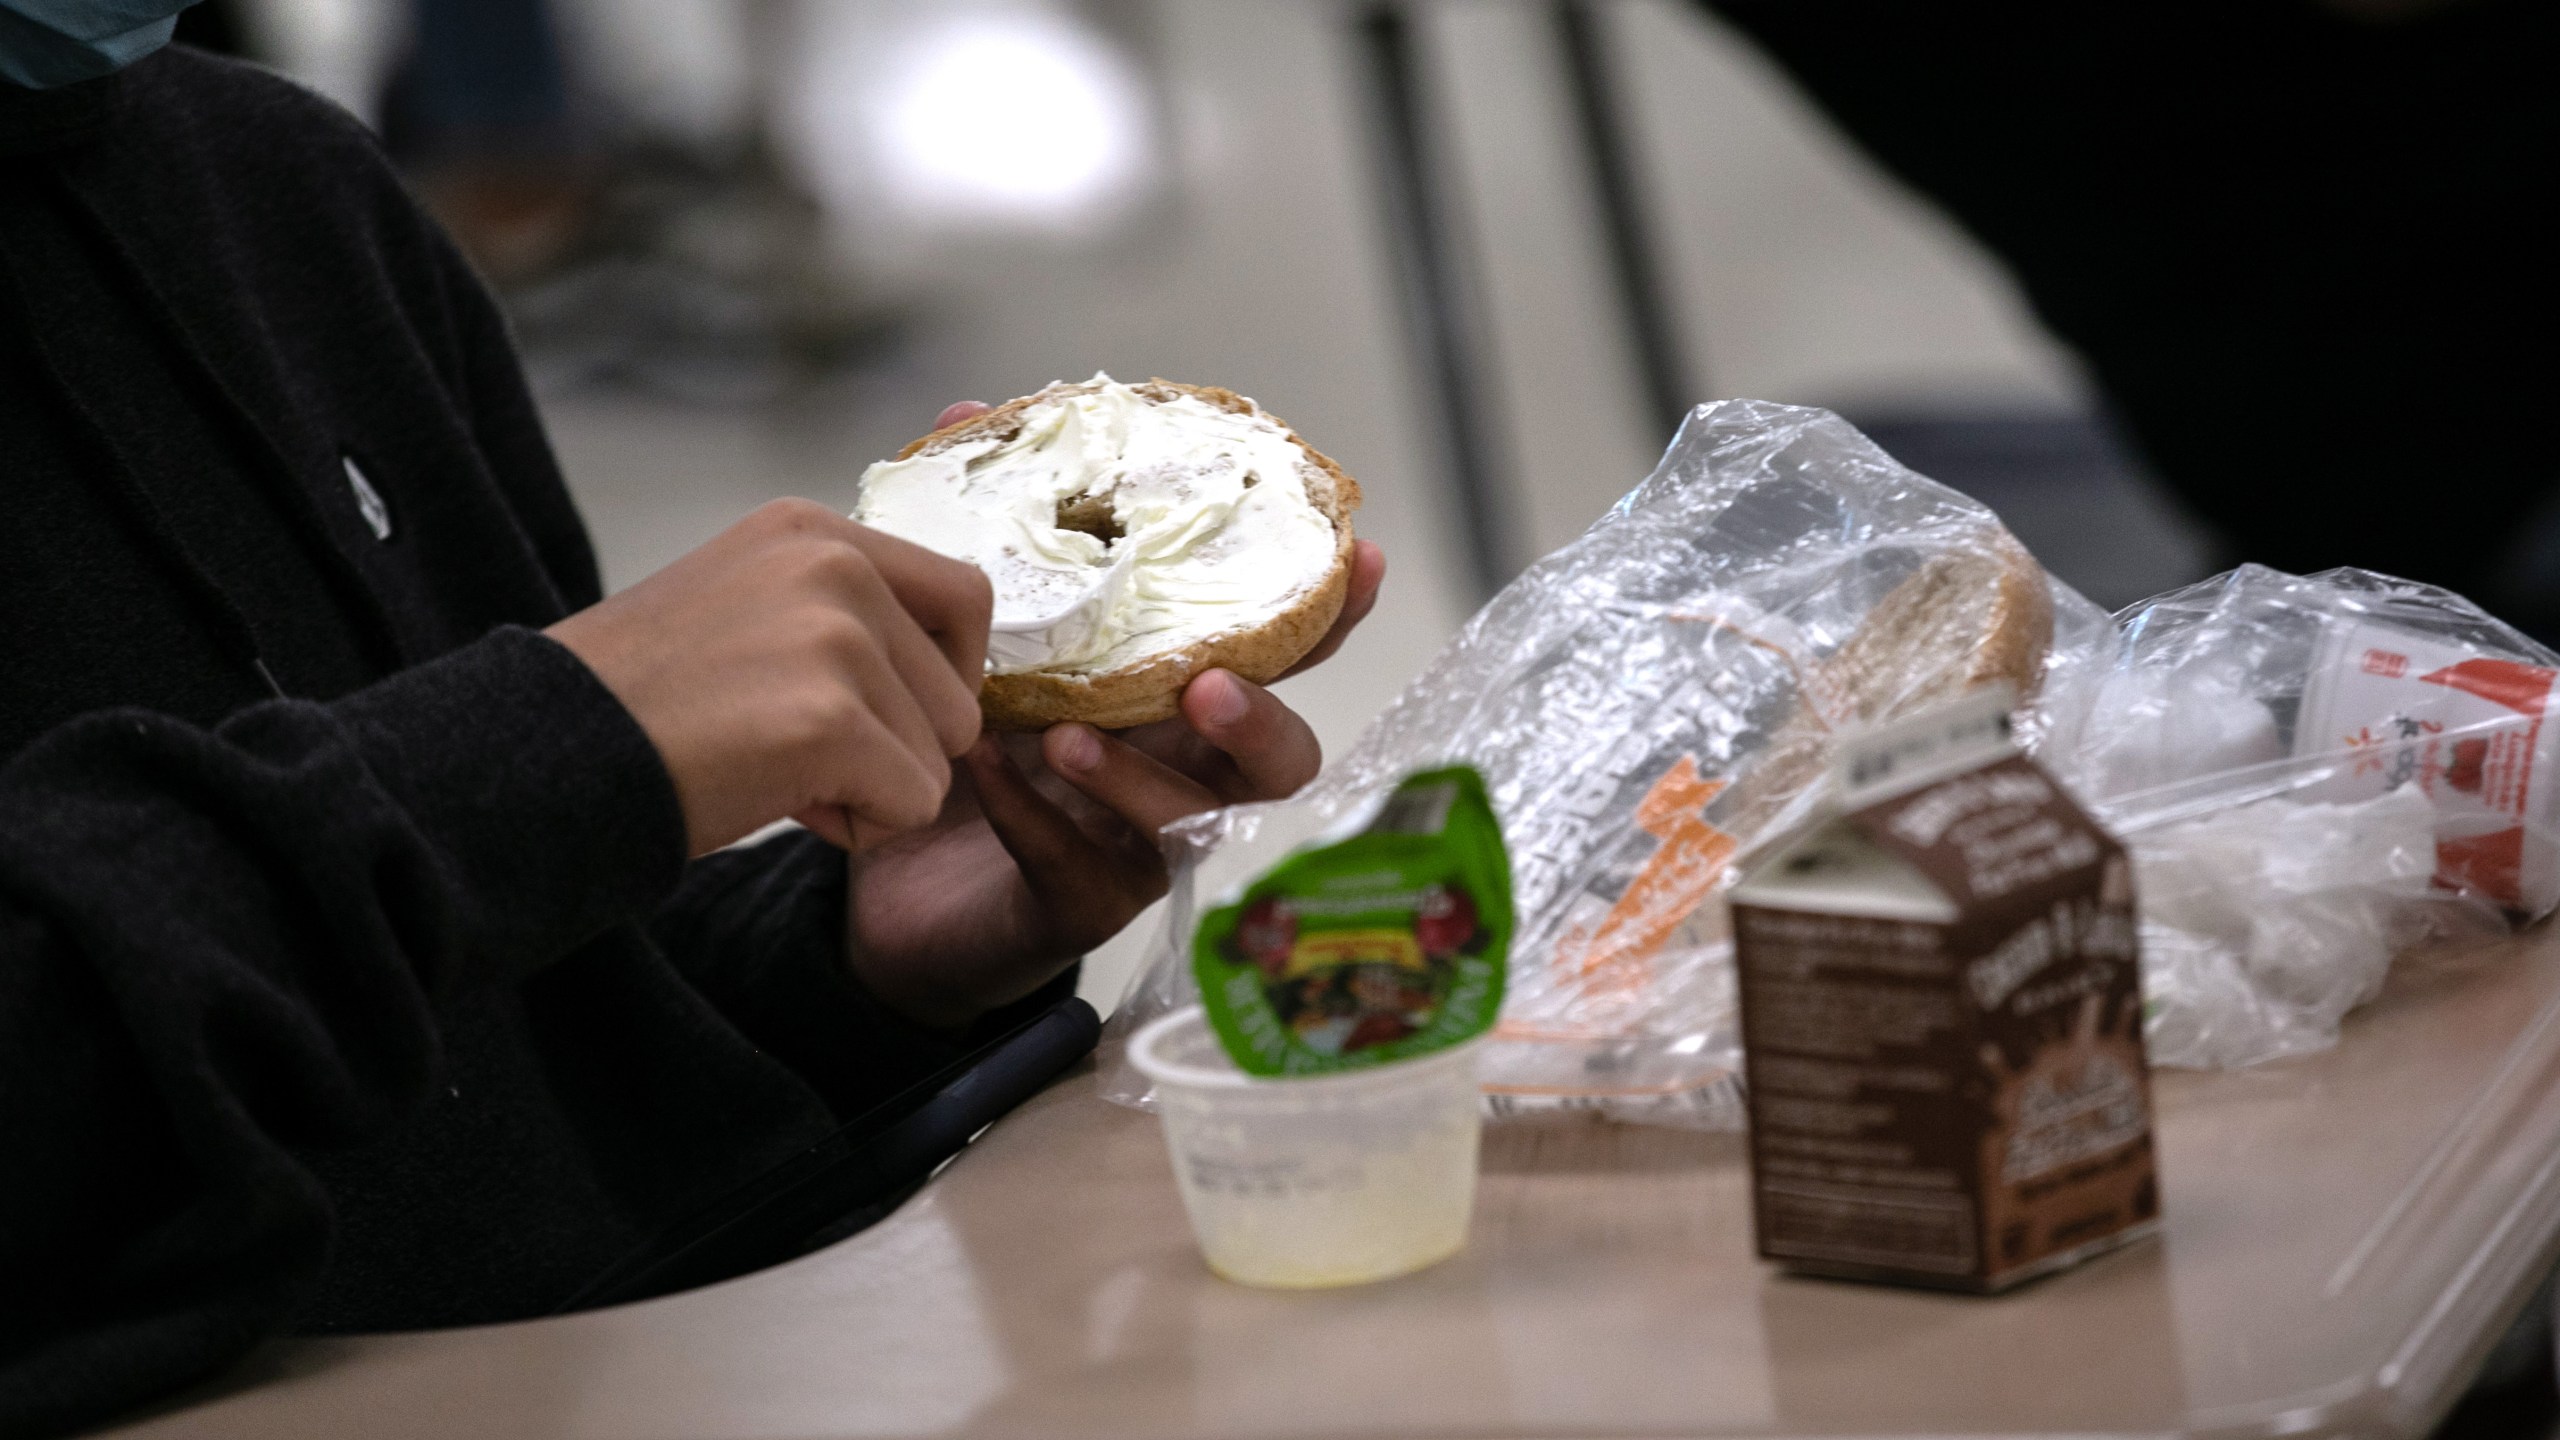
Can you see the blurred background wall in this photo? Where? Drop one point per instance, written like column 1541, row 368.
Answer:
column 1478, row 250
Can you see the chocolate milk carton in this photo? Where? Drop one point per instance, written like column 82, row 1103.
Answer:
column 1942, row 1020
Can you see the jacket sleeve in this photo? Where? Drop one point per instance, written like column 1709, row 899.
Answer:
column 759, row 930
column 220, row 948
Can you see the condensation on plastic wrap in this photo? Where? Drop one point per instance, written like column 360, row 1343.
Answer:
column 2313, row 773
column 1648, row 705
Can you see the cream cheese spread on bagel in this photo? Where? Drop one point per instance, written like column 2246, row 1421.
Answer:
column 1124, row 526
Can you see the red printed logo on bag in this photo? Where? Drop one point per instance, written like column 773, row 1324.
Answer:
column 2390, row 664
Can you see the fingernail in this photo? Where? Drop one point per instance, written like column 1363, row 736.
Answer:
column 1226, row 702
column 1079, row 748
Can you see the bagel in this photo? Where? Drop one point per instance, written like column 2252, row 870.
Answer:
column 1135, row 535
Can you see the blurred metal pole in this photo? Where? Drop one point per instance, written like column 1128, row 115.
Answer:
column 1582, row 33
column 1435, row 274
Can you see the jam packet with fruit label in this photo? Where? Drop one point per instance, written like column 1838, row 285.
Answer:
column 1382, row 941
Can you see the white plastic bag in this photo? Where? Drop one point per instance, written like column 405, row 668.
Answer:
column 2314, row 773
column 2263, row 925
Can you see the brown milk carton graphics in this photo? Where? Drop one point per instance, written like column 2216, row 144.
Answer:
column 1942, row 1020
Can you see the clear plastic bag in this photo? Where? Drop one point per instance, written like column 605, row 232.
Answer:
column 1649, row 705
column 2313, row 773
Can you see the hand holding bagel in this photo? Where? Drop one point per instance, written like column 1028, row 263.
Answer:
column 804, row 665
column 1207, row 539
column 1048, row 846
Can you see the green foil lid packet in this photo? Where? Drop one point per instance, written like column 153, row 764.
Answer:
column 1374, row 948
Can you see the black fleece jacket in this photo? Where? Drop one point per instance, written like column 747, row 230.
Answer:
column 351, row 972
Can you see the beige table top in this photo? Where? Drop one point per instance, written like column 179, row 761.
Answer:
column 2344, row 1237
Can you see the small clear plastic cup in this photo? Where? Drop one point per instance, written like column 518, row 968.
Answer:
column 1317, row 1180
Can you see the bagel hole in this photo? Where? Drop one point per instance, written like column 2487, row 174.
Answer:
column 1090, row 515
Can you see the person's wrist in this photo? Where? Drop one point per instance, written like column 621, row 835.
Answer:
column 907, row 991
column 631, row 679
column 943, row 994
column 927, row 1008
